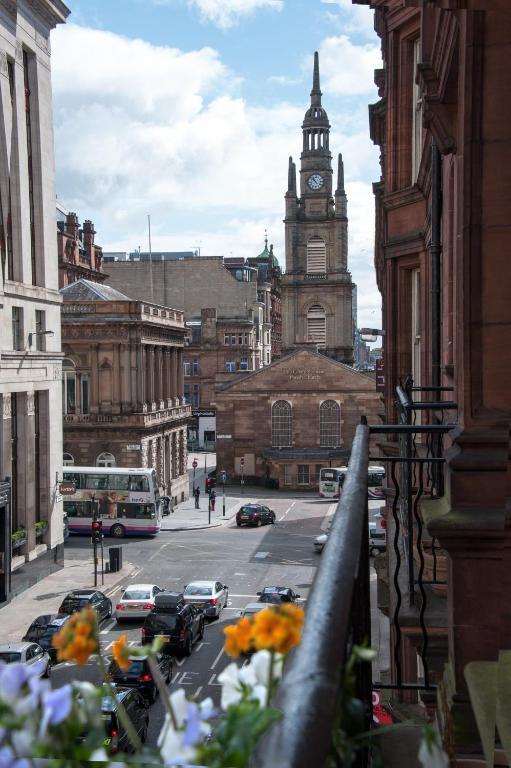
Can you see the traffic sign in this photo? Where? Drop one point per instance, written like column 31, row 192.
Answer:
column 195, row 463
column 223, row 477
column 242, row 460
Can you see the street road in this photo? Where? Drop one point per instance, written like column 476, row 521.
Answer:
column 246, row 559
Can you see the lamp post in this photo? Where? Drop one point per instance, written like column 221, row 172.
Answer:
column 242, row 462
column 223, row 478
column 194, row 465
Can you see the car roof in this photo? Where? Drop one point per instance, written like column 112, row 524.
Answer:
column 251, row 505
column 275, row 589
column 139, row 586
column 81, row 592
column 202, row 583
column 21, row 645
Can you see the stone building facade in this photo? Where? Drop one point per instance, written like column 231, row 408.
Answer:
column 269, row 278
column 443, row 236
column 30, row 351
column 317, row 287
column 292, row 418
column 123, row 384
column 79, row 256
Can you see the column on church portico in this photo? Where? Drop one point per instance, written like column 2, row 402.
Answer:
column 175, row 363
column 150, row 377
column 160, row 377
column 167, row 381
column 180, row 385
column 141, row 377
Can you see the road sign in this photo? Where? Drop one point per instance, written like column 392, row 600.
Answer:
column 242, row 461
column 195, row 463
column 223, row 477
column 67, row 489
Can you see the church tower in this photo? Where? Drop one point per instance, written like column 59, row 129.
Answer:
column 317, row 287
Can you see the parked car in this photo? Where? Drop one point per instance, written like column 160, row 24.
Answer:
column 43, row 628
column 116, row 738
column 79, row 598
column 136, row 601
column 26, row 653
column 377, row 534
column 254, row 514
column 278, row 595
column 210, row 596
column 181, row 624
column 139, row 675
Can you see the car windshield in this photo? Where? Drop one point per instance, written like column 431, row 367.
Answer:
column 135, row 668
column 163, row 621
column 76, row 602
column 249, row 509
column 136, row 594
column 10, row 656
column 273, row 597
column 198, row 589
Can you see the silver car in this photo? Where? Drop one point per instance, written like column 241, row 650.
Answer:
column 26, row 653
column 252, row 608
column 210, row 596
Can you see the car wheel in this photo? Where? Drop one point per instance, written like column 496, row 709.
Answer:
column 272, row 520
column 188, row 647
column 109, row 610
column 48, row 671
column 259, row 523
column 117, row 531
column 238, row 524
column 201, row 631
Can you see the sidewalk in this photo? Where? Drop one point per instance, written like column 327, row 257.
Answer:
column 186, row 518
column 47, row 595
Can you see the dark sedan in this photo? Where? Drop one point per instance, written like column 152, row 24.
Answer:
column 139, row 675
column 42, row 630
column 79, row 598
column 278, row 595
column 254, row 514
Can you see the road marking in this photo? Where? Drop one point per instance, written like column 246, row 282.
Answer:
column 287, row 510
column 210, row 681
column 180, row 662
column 199, row 689
column 108, row 628
column 261, row 555
column 200, row 646
column 240, row 574
column 183, row 681
column 220, row 653
column 232, row 595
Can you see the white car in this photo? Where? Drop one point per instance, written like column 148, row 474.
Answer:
column 136, row 601
column 377, row 534
column 26, row 653
column 209, row 596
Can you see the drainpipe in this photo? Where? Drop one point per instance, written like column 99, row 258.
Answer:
column 435, row 248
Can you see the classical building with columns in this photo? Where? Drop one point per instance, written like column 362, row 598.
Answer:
column 30, row 352
column 123, row 384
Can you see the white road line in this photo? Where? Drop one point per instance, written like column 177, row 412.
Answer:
column 287, row 510
column 233, row 595
column 217, row 658
column 199, row 689
column 107, row 629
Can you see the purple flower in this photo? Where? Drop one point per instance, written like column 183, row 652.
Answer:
column 192, row 731
column 57, row 706
column 12, row 678
column 8, row 760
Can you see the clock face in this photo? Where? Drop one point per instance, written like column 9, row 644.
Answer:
column 315, row 181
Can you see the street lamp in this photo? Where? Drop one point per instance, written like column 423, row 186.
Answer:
column 370, row 334
column 38, row 333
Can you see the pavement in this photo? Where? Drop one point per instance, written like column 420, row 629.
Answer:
column 185, row 517
column 47, row 595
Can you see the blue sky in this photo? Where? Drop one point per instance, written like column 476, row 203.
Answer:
column 189, row 109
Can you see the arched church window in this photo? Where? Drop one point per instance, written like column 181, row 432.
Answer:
column 316, row 325
column 316, row 255
column 329, row 424
column 281, row 424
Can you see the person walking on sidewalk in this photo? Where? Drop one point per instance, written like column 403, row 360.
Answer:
column 196, row 493
column 212, row 499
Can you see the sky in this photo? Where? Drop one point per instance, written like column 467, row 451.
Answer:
column 188, row 110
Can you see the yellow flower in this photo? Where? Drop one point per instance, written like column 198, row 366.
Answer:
column 78, row 638
column 121, row 652
column 238, row 637
column 276, row 628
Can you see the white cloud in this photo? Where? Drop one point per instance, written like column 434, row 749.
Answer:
column 347, row 69
column 356, row 19
column 145, row 129
column 227, row 13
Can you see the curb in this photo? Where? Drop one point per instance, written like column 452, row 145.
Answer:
column 191, row 528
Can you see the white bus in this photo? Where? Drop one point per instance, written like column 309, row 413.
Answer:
column 127, row 500
column 331, row 480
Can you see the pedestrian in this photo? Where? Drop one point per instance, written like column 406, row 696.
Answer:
column 196, row 493
column 212, row 499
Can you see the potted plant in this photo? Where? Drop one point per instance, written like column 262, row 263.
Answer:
column 19, row 538
column 40, row 528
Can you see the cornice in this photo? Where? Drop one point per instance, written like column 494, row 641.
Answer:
column 52, row 12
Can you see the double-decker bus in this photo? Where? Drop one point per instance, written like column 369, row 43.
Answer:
column 331, row 480
column 127, row 501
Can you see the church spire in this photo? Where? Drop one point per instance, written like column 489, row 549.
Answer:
column 291, row 177
column 340, row 176
column 316, row 91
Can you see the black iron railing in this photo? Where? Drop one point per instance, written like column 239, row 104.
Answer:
column 338, row 616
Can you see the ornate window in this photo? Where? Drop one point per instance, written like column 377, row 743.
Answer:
column 105, row 459
column 329, row 424
column 316, row 255
column 281, row 424
column 316, row 325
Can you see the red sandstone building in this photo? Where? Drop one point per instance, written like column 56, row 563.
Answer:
column 79, row 256
column 443, row 238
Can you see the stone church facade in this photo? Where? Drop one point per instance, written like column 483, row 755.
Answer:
column 293, row 417
column 317, row 286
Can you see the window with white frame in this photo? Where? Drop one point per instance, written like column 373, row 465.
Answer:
column 329, row 424
column 230, row 366
column 416, row 113
column 244, row 364
column 316, row 325
column 105, row 459
column 287, row 474
column 303, row 474
column 187, row 368
column 227, row 338
column 316, row 255
column 281, row 424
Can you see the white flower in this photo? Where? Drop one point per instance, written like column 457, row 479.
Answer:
column 179, row 706
column 99, row 755
column 431, row 754
column 171, row 748
column 232, row 691
column 260, row 665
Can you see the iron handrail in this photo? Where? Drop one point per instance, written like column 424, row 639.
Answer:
column 309, row 693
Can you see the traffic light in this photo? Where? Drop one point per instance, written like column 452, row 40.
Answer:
column 97, row 531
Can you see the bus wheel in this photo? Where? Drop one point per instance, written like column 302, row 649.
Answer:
column 117, row 531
